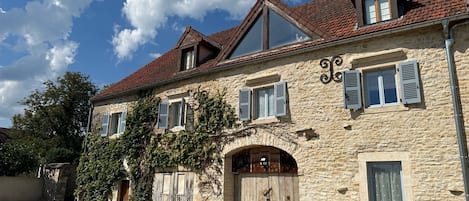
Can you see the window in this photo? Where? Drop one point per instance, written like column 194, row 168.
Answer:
column 377, row 10
column 173, row 186
column 264, row 103
column 114, row 123
column 270, row 31
column 373, row 11
column 172, row 114
column 379, row 86
column 188, row 59
column 268, row 102
column 385, row 181
column 385, row 176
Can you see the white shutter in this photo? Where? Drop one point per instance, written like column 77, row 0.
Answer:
column 410, row 83
column 245, row 104
column 163, row 111
column 183, row 112
column 280, row 94
column 123, row 122
column 105, row 125
column 352, row 89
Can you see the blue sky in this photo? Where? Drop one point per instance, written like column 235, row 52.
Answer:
column 105, row 39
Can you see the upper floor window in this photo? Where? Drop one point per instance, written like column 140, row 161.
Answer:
column 264, row 103
column 270, row 30
column 377, row 10
column 267, row 102
column 173, row 114
column 373, row 11
column 380, row 86
column 113, row 124
column 188, row 59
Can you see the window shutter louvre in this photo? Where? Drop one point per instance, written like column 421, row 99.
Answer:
column 280, row 94
column 105, row 125
column 123, row 122
column 158, row 187
column 352, row 89
column 244, row 104
column 410, row 83
column 188, row 185
column 163, row 111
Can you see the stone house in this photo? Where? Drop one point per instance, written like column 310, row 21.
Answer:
column 361, row 100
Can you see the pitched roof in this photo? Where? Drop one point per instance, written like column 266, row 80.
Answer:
column 332, row 20
column 4, row 135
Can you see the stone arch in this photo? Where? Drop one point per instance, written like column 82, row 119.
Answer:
column 231, row 180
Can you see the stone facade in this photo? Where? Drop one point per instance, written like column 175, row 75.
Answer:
column 330, row 165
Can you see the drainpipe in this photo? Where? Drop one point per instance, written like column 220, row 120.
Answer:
column 458, row 115
column 88, row 126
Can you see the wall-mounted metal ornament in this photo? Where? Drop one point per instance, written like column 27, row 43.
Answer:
column 326, row 63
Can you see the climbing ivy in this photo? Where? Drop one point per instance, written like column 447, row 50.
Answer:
column 145, row 151
column 99, row 168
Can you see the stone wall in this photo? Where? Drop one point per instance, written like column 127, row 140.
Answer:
column 424, row 132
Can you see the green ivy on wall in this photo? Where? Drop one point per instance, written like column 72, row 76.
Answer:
column 146, row 151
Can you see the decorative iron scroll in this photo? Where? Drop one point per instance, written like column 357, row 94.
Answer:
column 326, row 63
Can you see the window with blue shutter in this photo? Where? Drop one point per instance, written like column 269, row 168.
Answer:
column 104, row 125
column 122, row 123
column 163, row 110
column 280, row 89
column 245, row 104
column 352, row 89
column 410, row 82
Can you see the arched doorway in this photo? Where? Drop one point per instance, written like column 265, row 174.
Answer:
column 264, row 173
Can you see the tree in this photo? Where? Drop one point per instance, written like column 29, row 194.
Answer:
column 58, row 114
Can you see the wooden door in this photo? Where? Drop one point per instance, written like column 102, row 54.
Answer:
column 174, row 186
column 266, row 187
column 124, row 190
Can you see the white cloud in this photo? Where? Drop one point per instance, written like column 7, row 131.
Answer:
column 41, row 30
column 147, row 16
column 154, row 55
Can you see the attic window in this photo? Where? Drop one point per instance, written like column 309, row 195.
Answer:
column 270, row 30
column 373, row 11
column 188, row 59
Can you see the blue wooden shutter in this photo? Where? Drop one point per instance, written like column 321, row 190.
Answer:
column 280, row 94
column 163, row 111
column 410, row 83
column 352, row 89
column 245, row 104
column 105, row 125
column 122, row 122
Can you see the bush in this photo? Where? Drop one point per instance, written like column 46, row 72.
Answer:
column 16, row 159
column 60, row 155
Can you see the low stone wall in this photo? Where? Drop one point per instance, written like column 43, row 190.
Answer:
column 20, row 189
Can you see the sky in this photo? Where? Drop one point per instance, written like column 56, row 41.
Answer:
column 107, row 40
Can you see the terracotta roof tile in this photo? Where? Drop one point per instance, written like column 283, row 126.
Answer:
column 333, row 19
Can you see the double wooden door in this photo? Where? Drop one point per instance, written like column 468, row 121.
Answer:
column 173, row 186
column 266, row 187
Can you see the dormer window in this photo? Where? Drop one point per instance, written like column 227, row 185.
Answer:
column 374, row 11
column 188, row 59
column 270, row 30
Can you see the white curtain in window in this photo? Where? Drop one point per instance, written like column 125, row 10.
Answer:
column 387, row 182
column 370, row 11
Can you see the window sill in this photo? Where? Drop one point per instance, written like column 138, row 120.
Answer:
column 115, row 136
column 177, row 128
column 385, row 108
column 265, row 120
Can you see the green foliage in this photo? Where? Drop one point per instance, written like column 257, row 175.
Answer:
column 57, row 114
column 16, row 159
column 147, row 151
column 60, row 155
column 101, row 165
